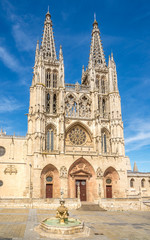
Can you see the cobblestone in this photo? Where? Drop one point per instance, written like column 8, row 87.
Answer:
column 19, row 224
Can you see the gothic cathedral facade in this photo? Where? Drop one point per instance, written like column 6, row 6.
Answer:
column 75, row 131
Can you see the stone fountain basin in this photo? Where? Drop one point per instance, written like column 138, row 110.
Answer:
column 52, row 225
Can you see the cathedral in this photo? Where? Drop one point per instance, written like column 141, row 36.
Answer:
column 75, row 139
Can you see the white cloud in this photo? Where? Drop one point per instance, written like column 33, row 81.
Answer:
column 138, row 134
column 21, row 27
column 9, row 60
column 23, row 40
column 9, row 104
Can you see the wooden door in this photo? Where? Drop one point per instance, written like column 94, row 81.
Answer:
column 82, row 185
column 49, row 190
column 108, row 191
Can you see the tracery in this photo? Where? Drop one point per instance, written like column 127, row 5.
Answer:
column 84, row 107
column 70, row 106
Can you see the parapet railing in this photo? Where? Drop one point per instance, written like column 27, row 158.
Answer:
column 76, row 87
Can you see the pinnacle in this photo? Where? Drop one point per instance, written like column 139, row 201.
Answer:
column 135, row 169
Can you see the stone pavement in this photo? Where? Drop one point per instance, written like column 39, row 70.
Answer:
column 18, row 224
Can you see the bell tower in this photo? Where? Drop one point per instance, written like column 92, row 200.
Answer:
column 46, row 96
column 102, row 80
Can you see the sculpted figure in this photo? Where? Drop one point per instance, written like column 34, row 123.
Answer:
column 62, row 212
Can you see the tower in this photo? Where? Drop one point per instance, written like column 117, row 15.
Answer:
column 107, row 107
column 46, row 94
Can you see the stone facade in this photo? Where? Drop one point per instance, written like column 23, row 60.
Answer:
column 75, row 138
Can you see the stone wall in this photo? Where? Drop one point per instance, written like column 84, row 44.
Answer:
column 125, row 204
column 38, row 203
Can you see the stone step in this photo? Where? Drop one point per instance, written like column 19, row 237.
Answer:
column 90, row 207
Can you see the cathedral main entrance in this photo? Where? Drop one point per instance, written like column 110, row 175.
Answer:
column 81, row 179
column 81, row 186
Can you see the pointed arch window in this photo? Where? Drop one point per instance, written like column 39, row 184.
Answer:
column 48, row 78
column 48, row 103
column 54, row 103
column 103, row 107
column 104, row 141
column 99, row 103
column 54, row 80
column 103, row 85
column 70, row 106
column 97, row 82
column 50, row 139
column 105, row 145
column 132, row 183
column 85, row 107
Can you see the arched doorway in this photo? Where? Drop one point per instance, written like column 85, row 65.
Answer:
column 111, row 183
column 50, row 182
column 82, row 174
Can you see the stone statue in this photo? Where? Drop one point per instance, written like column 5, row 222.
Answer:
column 62, row 212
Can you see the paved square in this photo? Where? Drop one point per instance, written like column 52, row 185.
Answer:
column 18, row 224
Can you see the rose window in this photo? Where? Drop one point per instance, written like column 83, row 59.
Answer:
column 77, row 136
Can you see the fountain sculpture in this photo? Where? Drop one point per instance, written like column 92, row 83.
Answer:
column 62, row 226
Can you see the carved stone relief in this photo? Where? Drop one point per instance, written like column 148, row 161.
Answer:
column 63, row 172
column 99, row 173
column 11, row 169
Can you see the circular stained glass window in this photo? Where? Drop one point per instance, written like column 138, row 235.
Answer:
column 108, row 181
column 49, row 179
column 77, row 136
column 1, row 183
column 2, row 151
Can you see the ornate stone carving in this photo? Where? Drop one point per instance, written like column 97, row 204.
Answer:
column 70, row 106
column 63, row 172
column 84, row 107
column 11, row 169
column 74, row 108
column 99, row 173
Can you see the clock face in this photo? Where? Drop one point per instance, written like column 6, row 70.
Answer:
column 77, row 136
column 2, row 151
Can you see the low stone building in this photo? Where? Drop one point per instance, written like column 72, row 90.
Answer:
column 75, row 138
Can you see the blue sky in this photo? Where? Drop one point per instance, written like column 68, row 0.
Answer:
column 125, row 30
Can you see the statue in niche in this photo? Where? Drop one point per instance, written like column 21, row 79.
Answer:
column 63, row 172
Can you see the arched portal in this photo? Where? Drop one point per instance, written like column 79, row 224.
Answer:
column 82, row 174
column 50, row 183
column 111, row 183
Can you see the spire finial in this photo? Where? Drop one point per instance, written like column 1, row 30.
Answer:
column 48, row 8
column 94, row 17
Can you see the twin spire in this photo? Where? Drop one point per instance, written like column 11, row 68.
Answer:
column 48, row 50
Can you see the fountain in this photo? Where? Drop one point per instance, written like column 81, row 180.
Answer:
column 62, row 226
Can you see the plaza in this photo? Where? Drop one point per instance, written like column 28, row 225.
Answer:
column 19, row 224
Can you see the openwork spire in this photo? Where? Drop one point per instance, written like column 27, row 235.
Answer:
column 97, row 57
column 48, row 44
